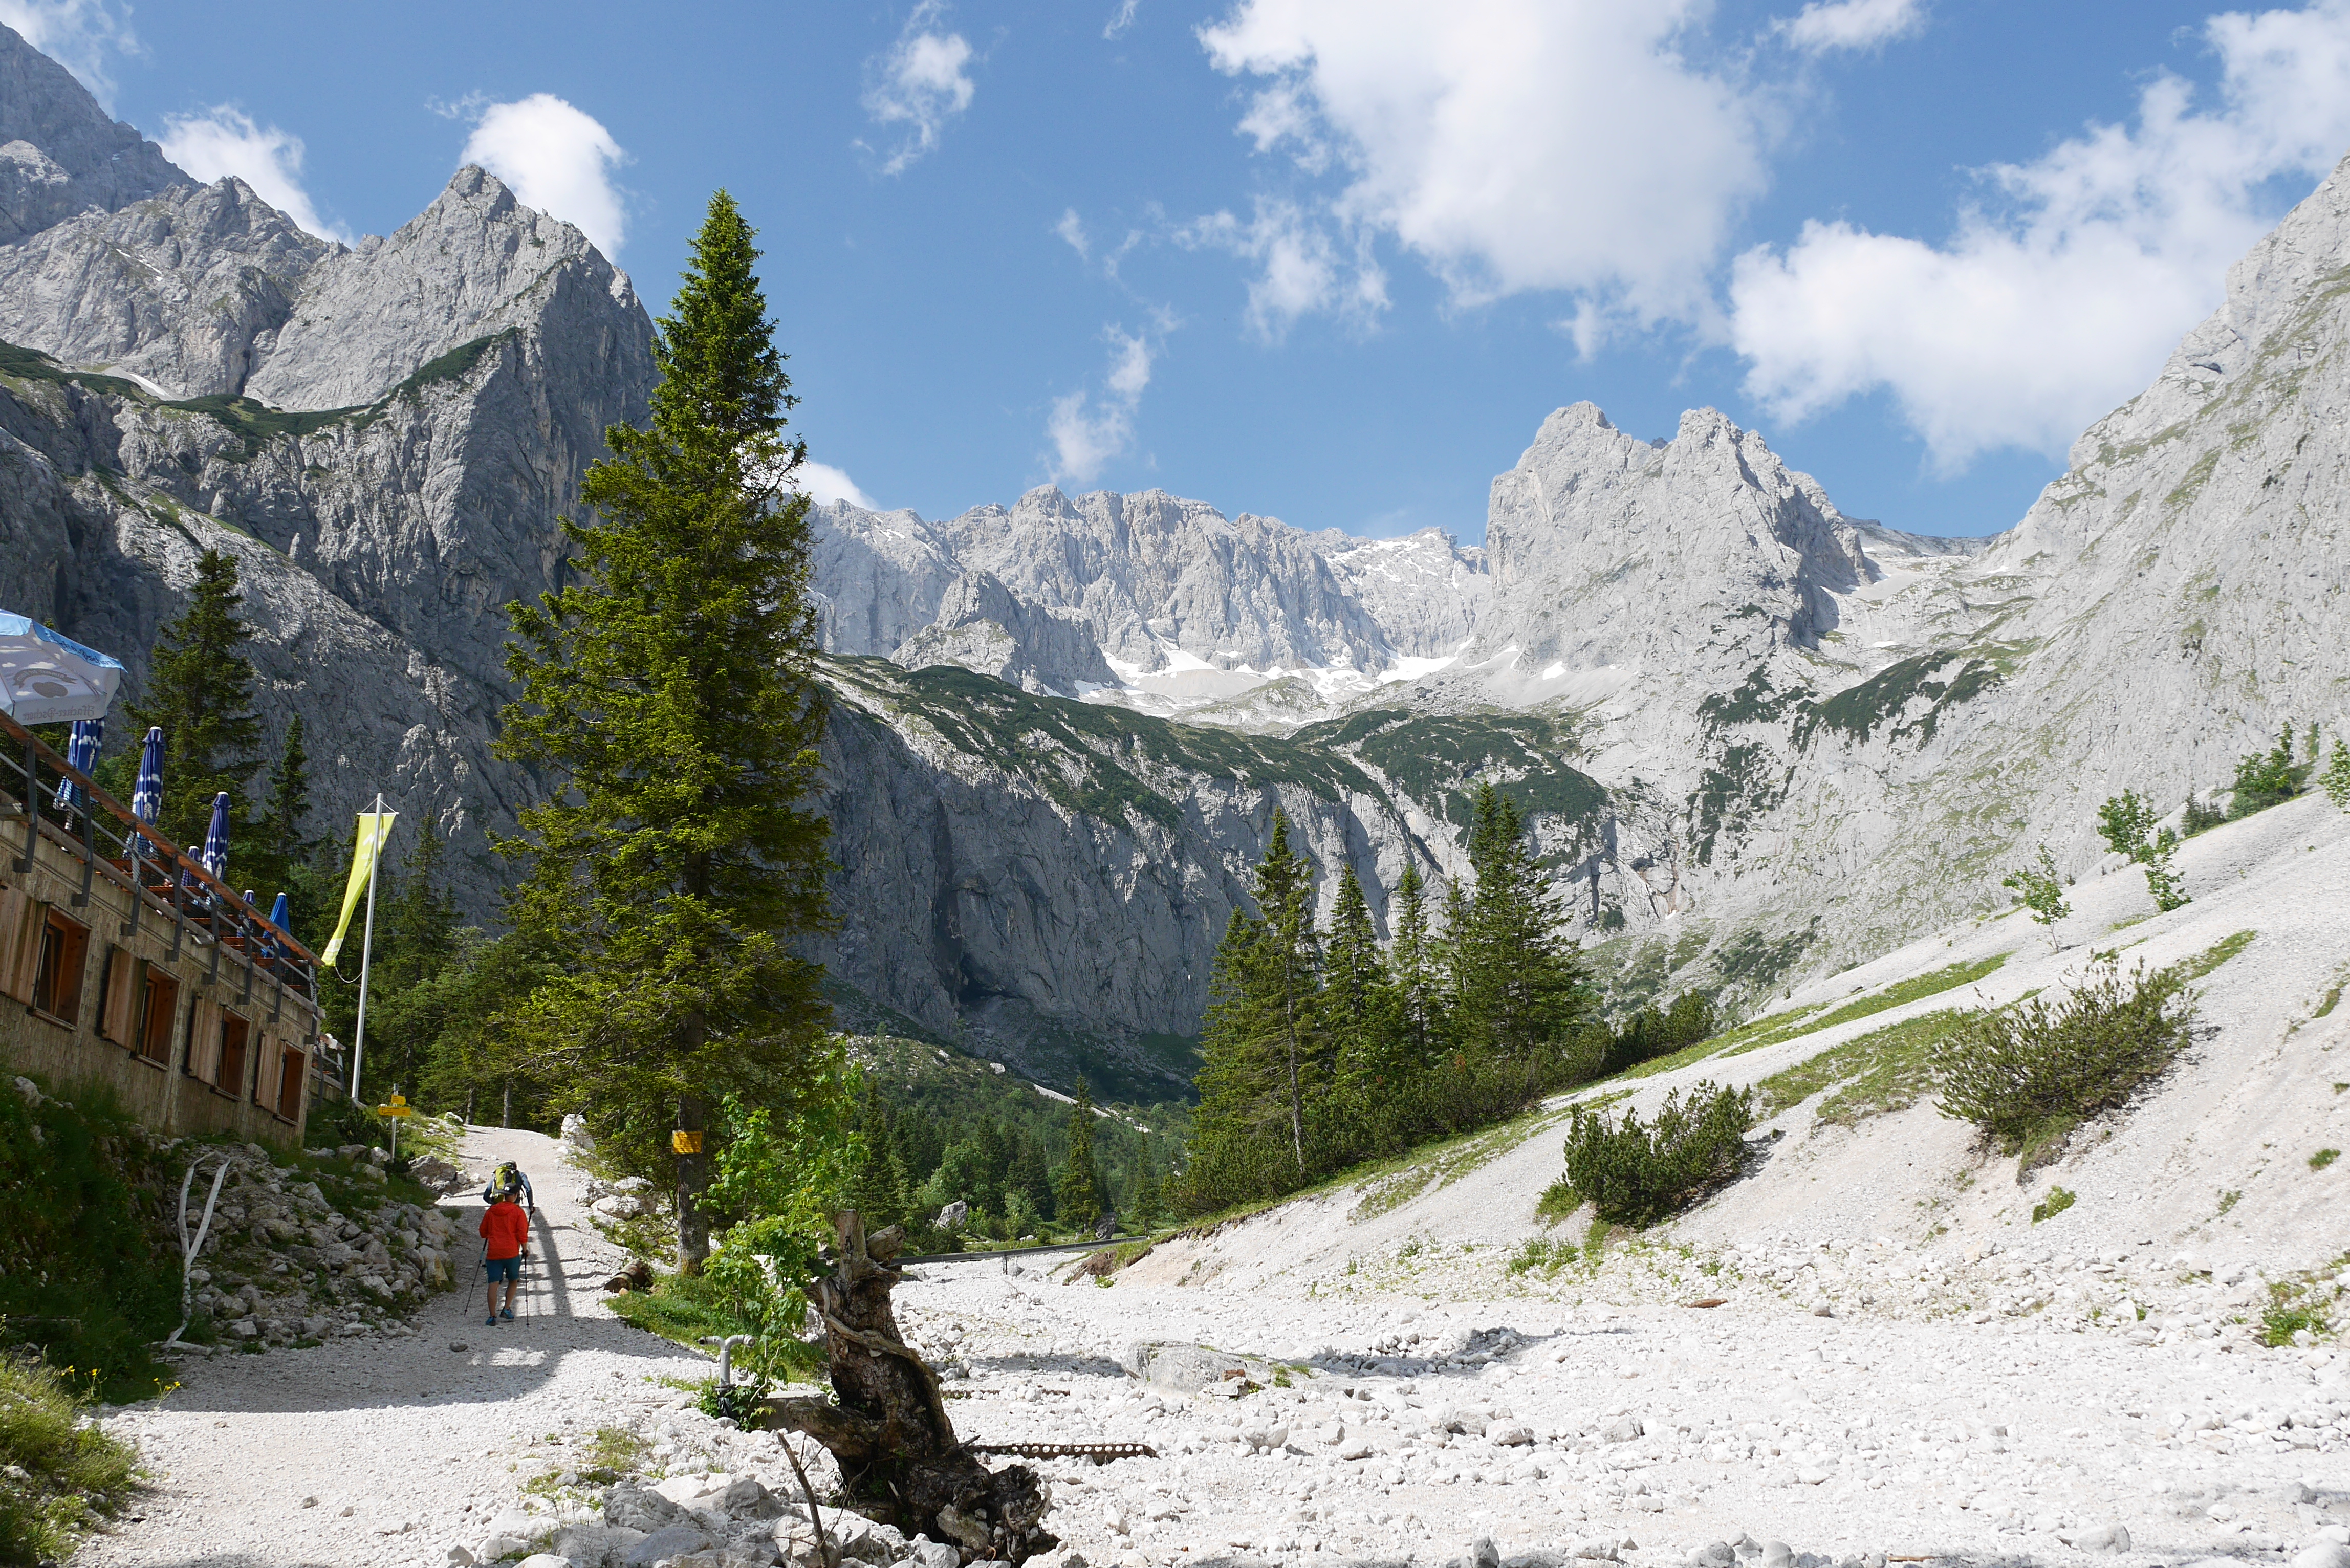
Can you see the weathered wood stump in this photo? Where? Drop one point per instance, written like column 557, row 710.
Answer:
column 886, row 1424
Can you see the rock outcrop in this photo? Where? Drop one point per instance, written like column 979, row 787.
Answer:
column 378, row 543
column 984, row 626
column 60, row 153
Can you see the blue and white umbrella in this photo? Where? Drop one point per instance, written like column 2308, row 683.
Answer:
column 48, row 679
column 277, row 918
column 81, row 755
column 215, row 856
column 147, row 796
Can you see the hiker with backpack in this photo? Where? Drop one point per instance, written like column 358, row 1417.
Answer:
column 505, row 1232
column 506, row 1178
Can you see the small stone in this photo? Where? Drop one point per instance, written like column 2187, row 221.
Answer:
column 2324, row 1554
column 1623, row 1430
column 309, row 1502
column 1713, row 1555
column 1483, row 1553
column 1778, row 1554
column 459, row 1556
column 459, row 1346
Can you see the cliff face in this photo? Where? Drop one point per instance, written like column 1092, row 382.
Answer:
column 380, row 530
column 60, row 153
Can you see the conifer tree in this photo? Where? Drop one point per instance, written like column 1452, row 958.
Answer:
column 200, row 690
column 1078, row 1195
column 669, row 691
column 1519, row 986
column 1355, row 989
column 877, row 1188
column 1417, row 979
column 283, row 856
column 1030, row 1175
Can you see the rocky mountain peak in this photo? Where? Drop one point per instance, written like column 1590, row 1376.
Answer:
column 1607, row 550
column 60, row 153
column 183, row 290
column 474, row 263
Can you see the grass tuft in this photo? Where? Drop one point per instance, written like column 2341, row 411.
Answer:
column 59, row 1479
column 2058, row 1201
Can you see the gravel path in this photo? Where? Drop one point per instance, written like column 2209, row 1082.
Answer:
column 405, row 1444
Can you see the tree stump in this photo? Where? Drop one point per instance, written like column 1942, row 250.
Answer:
column 887, row 1425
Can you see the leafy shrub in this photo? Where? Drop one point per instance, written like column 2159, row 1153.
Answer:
column 58, row 1479
column 2335, row 780
column 2058, row 1201
column 86, row 1279
column 2041, row 889
column 2197, row 818
column 2269, row 778
column 2013, row 1070
column 2126, row 823
column 1636, row 1174
column 2323, row 1157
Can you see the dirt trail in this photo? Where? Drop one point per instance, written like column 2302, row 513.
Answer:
column 406, row 1444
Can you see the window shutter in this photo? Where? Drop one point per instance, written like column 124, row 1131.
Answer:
column 73, row 965
column 118, row 1010
column 22, row 919
column 204, row 1039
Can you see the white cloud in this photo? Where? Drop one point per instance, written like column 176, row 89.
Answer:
column 1072, row 229
column 1120, row 19
column 921, row 84
column 822, row 482
column 79, row 35
column 1512, row 144
column 1085, row 432
column 1825, row 24
column 224, row 140
column 559, row 160
column 1303, row 266
column 2035, row 320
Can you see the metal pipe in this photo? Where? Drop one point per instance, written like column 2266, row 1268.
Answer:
column 727, row 1354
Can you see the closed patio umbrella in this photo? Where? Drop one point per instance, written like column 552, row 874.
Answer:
column 81, row 755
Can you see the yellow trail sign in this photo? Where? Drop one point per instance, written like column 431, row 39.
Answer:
column 398, row 1107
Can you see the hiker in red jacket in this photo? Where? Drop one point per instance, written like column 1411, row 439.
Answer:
column 506, row 1231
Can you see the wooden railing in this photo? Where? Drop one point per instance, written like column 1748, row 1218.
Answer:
column 163, row 881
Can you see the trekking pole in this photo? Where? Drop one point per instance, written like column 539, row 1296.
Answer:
column 481, row 1270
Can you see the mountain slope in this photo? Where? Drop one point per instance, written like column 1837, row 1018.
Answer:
column 60, row 153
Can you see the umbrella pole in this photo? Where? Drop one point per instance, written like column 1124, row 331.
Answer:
column 32, row 801
column 367, row 951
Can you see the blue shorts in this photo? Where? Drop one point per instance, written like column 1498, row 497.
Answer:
column 502, row 1268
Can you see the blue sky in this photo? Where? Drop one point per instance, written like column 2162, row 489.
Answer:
column 1334, row 260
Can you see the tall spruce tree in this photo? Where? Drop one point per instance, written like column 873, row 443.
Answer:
column 1077, row 1193
column 200, row 690
column 669, row 691
column 1518, row 985
column 1262, row 1043
column 876, row 1189
column 1356, row 1005
column 1417, row 978
column 282, row 857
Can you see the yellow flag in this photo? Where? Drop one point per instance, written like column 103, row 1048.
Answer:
column 374, row 830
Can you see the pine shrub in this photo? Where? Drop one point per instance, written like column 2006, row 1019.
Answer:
column 1636, row 1173
column 2013, row 1070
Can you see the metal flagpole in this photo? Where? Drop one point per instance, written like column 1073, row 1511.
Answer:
column 367, row 950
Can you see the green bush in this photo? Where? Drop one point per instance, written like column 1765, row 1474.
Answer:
column 2013, row 1070
column 2198, row 817
column 86, row 1278
column 1636, row 1174
column 58, row 1478
column 2269, row 778
column 2335, row 780
column 2059, row 1200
